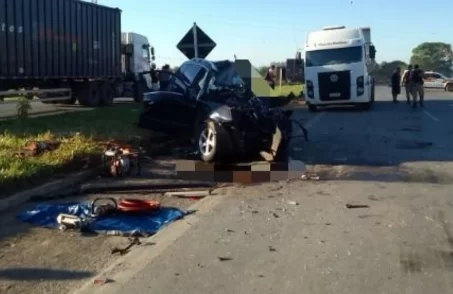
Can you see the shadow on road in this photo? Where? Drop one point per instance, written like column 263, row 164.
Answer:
column 36, row 274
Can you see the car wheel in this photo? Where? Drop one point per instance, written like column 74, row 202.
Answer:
column 449, row 87
column 312, row 107
column 211, row 141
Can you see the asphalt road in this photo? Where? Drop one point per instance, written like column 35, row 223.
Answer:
column 396, row 160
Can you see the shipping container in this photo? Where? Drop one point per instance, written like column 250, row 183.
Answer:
column 55, row 39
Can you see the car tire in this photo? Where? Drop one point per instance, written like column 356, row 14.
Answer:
column 449, row 87
column 212, row 141
column 312, row 108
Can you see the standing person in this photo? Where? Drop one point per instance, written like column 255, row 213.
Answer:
column 396, row 86
column 406, row 82
column 154, row 78
column 164, row 77
column 417, row 86
column 270, row 76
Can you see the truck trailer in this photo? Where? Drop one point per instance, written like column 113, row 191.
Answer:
column 339, row 64
column 63, row 51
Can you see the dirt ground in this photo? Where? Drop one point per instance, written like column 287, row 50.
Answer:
column 41, row 260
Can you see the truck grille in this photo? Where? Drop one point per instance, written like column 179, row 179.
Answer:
column 335, row 85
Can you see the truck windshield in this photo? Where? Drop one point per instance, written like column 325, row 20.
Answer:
column 333, row 56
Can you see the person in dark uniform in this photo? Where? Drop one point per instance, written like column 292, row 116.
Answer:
column 396, row 86
column 417, row 86
column 164, row 77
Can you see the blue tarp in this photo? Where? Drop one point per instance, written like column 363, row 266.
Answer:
column 45, row 215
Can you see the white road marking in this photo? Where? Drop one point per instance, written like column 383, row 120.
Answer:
column 428, row 114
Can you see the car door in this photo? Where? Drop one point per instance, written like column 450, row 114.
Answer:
column 438, row 81
column 428, row 81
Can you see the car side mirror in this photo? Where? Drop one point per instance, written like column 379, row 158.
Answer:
column 372, row 52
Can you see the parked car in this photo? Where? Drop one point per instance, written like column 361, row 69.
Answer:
column 210, row 103
column 437, row 81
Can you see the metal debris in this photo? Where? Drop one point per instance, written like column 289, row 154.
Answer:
column 272, row 249
column 308, row 177
column 224, row 258
column 351, row 206
column 125, row 250
column 293, row 203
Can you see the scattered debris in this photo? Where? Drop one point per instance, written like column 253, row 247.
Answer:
column 276, row 188
column 272, row 249
column 224, row 258
column 189, row 194
column 351, row 206
column 255, row 211
column 177, row 274
column 293, row 203
column 230, row 231
column 125, row 250
column 308, row 177
column 275, row 215
column 120, row 159
column 36, row 148
column 260, row 276
column 102, row 281
column 200, row 265
column 328, row 224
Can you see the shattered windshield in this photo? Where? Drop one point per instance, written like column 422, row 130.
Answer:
column 227, row 76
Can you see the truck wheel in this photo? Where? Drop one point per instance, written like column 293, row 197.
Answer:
column 107, row 95
column 212, row 141
column 312, row 108
column 140, row 88
column 91, row 95
column 449, row 87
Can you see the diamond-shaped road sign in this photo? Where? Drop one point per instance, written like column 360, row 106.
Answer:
column 196, row 44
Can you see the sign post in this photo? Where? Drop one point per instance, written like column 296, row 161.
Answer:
column 195, row 39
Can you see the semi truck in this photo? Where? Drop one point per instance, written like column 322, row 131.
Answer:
column 339, row 65
column 64, row 51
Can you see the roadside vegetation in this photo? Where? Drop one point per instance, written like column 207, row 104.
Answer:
column 81, row 137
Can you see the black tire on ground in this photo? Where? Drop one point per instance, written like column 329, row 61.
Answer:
column 212, row 142
column 140, row 88
column 449, row 87
column 90, row 95
column 107, row 94
column 312, row 108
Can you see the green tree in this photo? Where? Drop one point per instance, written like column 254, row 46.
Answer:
column 385, row 69
column 436, row 56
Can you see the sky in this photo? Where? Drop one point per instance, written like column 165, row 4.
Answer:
column 270, row 31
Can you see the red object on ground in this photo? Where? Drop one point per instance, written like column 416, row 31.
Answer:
column 137, row 205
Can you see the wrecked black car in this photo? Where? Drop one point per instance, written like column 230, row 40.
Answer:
column 211, row 104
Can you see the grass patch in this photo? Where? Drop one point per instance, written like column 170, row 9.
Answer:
column 287, row 89
column 82, row 135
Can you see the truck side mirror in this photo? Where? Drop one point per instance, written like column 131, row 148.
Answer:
column 152, row 53
column 299, row 58
column 372, row 52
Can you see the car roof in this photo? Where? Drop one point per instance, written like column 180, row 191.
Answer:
column 209, row 65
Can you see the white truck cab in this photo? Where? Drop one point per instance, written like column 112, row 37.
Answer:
column 137, row 61
column 338, row 67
